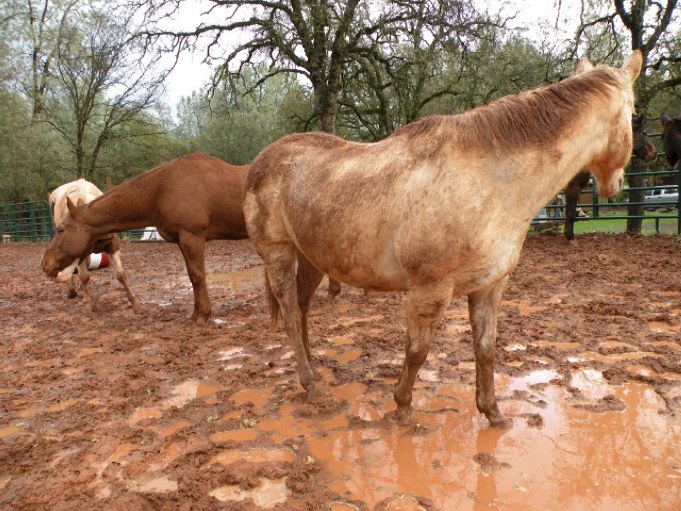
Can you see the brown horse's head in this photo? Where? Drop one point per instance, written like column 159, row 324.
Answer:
column 607, row 166
column 74, row 241
column 671, row 139
column 643, row 147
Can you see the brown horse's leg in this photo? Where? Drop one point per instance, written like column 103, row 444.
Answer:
column 482, row 310
column 279, row 261
column 334, row 288
column 572, row 192
column 425, row 306
column 84, row 276
column 307, row 280
column 193, row 250
column 120, row 274
column 71, row 286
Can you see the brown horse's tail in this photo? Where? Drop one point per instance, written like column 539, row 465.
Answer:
column 272, row 302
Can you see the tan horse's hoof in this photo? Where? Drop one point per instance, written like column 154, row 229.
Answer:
column 313, row 392
column 404, row 415
column 500, row 421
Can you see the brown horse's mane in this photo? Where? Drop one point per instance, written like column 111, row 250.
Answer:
column 149, row 174
column 532, row 118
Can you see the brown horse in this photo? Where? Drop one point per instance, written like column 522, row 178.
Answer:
column 671, row 139
column 189, row 200
column 82, row 192
column 642, row 148
column 436, row 209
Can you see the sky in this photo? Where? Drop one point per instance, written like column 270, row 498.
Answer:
column 191, row 74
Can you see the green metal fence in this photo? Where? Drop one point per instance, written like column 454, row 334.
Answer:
column 26, row 221
column 32, row 221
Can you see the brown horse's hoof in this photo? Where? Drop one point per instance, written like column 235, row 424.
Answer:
column 334, row 289
column 72, row 294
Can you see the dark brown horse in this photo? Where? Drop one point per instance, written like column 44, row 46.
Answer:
column 671, row 139
column 189, row 200
column 437, row 209
column 643, row 148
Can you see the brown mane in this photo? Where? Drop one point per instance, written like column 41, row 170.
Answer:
column 531, row 118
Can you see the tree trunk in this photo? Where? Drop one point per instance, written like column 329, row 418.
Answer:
column 634, row 224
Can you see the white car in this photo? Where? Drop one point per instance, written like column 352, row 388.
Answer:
column 661, row 197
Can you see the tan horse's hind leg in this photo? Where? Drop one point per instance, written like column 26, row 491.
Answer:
column 122, row 277
column 193, row 250
column 84, row 276
column 280, row 264
column 425, row 306
column 482, row 310
column 307, row 280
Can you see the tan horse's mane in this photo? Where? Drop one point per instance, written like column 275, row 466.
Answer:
column 532, row 118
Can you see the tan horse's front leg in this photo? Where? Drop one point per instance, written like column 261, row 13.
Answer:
column 482, row 310
column 193, row 250
column 425, row 306
column 84, row 276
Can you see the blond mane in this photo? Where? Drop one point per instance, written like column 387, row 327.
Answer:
column 529, row 119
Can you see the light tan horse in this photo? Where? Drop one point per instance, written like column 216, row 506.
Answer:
column 82, row 192
column 439, row 208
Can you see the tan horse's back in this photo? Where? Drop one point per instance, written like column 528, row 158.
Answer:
column 376, row 216
column 75, row 190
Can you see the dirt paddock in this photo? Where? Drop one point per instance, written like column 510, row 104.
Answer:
column 113, row 410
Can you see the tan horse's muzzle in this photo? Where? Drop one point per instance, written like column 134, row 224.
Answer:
column 613, row 186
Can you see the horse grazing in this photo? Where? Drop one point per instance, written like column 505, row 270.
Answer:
column 671, row 139
column 642, row 148
column 82, row 192
column 189, row 200
column 438, row 208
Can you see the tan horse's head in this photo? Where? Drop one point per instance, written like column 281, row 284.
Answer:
column 607, row 166
column 74, row 241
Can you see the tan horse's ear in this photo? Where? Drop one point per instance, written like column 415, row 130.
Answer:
column 664, row 119
column 633, row 65
column 73, row 209
column 583, row 66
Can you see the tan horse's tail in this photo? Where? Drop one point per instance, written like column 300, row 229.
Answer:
column 272, row 302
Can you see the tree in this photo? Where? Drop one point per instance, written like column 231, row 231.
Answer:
column 313, row 39
column 35, row 28
column 239, row 120
column 649, row 26
column 103, row 79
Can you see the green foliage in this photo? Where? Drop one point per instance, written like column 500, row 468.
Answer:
column 242, row 118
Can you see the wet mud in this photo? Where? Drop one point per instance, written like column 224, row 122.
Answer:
column 117, row 410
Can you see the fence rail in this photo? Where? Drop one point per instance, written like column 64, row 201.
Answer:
column 26, row 221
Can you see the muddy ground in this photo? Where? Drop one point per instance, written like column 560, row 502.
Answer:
column 114, row 410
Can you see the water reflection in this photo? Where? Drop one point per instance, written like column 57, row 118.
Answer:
column 578, row 459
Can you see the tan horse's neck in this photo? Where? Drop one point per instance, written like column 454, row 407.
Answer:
column 129, row 205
